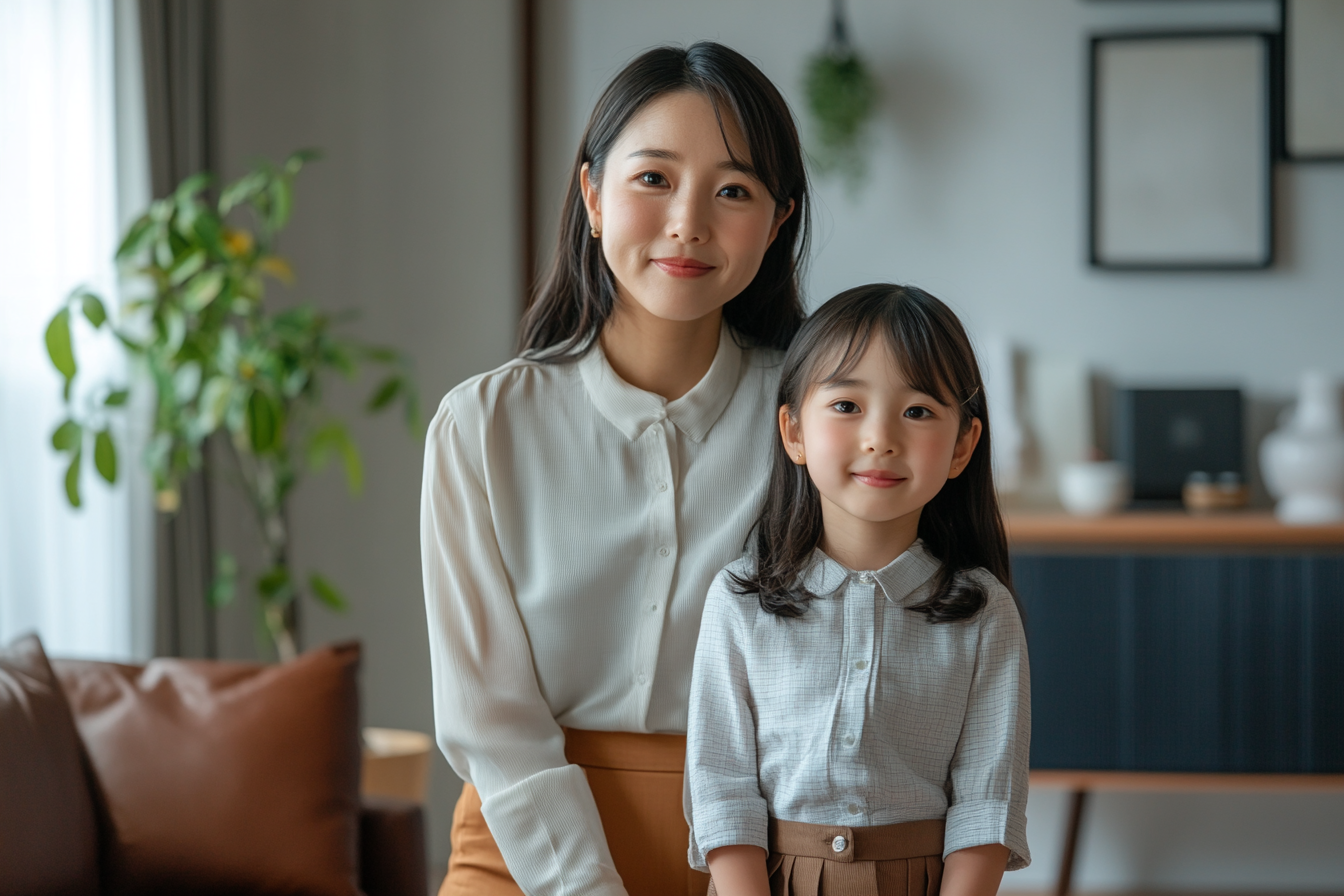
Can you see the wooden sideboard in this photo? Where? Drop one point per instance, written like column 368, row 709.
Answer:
column 1177, row 652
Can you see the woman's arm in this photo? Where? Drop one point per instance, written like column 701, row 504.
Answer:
column 738, row 871
column 974, row 871
column 493, row 724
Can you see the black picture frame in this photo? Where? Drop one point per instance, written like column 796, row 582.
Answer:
column 1180, row 163
column 1311, row 81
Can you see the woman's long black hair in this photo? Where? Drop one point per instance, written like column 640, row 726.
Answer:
column 961, row 526
column 579, row 292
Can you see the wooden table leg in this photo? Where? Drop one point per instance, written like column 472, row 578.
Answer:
column 1065, row 882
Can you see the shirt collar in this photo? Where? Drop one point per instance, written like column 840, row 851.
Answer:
column 633, row 410
column 899, row 579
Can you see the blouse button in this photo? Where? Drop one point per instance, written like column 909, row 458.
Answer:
column 866, row 578
column 853, row 808
column 838, row 844
column 662, row 486
column 849, row 740
column 662, row 552
column 861, row 665
column 643, row 679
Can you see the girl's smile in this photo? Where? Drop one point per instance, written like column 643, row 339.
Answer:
column 683, row 267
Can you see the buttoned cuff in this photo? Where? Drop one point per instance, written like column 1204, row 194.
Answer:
column 982, row 822
column 741, row 822
column 551, row 837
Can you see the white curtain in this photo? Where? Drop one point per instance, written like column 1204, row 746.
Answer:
column 69, row 177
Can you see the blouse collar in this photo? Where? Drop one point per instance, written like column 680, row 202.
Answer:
column 632, row 410
column 898, row 579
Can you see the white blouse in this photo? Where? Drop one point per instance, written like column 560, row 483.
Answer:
column 570, row 527
column 859, row 712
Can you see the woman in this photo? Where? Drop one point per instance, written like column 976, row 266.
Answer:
column 578, row 500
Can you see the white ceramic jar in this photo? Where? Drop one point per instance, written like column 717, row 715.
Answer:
column 1303, row 461
column 1094, row 487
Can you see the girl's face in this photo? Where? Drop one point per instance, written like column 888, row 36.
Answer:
column 683, row 228
column 877, row 449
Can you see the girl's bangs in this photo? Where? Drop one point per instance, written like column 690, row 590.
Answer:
column 920, row 364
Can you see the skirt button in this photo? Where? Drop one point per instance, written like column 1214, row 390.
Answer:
column 838, row 844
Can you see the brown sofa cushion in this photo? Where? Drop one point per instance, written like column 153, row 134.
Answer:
column 48, row 835
column 225, row 777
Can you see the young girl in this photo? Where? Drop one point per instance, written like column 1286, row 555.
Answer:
column 859, row 711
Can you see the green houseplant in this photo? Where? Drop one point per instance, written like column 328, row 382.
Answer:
column 219, row 361
column 841, row 96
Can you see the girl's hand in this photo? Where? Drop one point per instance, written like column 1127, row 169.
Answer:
column 740, row 870
column 974, row 871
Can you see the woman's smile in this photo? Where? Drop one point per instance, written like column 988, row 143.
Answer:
column 680, row 266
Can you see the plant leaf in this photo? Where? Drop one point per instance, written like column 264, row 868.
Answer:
column 59, row 349
column 274, row 585
column 278, row 268
column 225, row 584
column 282, row 200
column 214, row 400
column 117, row 398
column 105, row 456
column 297, row 160
column 184, row 269
column 72, row 479
column 383, row 395
column 137, row 238
column 94, row 311
column 202, row 289
column 327, row 593
column 67, row 436
column 263, row 421
column 175, row 331
column 335, row 437
column 187, row 381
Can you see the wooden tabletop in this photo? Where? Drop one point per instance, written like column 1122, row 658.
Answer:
column 1166, row 529
column 1051, row 779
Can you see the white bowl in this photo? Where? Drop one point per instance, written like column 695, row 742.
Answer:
column 1094, row 487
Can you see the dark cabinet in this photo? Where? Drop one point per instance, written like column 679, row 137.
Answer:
column 1198, row 663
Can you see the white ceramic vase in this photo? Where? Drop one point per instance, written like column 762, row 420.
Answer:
column 1303, row 461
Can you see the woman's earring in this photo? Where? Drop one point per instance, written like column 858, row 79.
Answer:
column 595, row 232
column 800, row 457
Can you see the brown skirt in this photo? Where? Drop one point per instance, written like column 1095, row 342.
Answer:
column 831, row 860
column 636, row 782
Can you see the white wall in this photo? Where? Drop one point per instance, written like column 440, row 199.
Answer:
column 977, row 192
column 411, row 220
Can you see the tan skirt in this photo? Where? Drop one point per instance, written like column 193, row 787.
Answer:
column 636, row 782
column 831, row 860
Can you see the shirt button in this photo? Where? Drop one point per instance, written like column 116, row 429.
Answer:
column 849, row 740
column 663, row 552
column 653, row 608
column 643, row 679
column 861, row 665
column 866, row 578
column 838, row 844
column 853, row 808
column 662, row 486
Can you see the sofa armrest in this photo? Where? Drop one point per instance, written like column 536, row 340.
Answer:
column 392, row 847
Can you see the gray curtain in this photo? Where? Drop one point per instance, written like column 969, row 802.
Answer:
column 178, row 41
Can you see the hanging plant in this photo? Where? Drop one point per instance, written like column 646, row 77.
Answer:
column 841, row 96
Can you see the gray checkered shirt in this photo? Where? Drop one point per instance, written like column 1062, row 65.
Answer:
column 859, row 712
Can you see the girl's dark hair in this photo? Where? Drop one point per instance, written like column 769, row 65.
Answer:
column 579, row 293
column 961, row 526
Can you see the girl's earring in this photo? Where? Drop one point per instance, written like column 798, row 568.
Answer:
column 595, row 232
column 800, row 457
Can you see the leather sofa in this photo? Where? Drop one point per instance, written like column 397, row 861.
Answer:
column 198, row 777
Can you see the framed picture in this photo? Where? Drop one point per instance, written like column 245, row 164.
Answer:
column 1181, row 151
column 1313, row 80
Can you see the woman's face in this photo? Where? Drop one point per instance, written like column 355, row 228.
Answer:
column 683, row 227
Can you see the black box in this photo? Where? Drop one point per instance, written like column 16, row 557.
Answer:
column 1164, row 435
